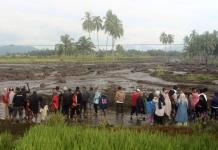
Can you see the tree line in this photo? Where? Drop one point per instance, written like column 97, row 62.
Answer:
column 110, row 24
column 202, row 47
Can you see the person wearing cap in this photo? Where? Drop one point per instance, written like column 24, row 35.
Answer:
column 66, row 99
column 119, row 99
column 134, row 97
column 214, row 106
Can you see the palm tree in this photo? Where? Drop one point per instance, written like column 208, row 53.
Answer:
column 164, row 39
column 85, row 45
column 116, row 30
column 67, row 45
column 97, row 21
column 88, row 24
column 170, row 39
column 108, row 24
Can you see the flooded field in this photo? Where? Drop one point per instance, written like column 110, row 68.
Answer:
column 44, row 77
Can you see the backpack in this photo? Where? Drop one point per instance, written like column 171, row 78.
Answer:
column 103, row 102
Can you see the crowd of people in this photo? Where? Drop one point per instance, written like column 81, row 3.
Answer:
column 159, row 107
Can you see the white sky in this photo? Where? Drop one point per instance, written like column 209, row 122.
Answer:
column 43, row 21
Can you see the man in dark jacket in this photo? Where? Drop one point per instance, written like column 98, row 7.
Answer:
column 66, row 100
column 140, row 107
column 85, row 98
column 18, row 104
column 214, row 106
column 35, row 102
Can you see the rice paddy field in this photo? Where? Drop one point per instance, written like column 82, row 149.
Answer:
column 57, row 134
column 64, row 137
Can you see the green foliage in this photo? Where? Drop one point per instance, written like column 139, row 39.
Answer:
column 6, row 141
column 85, row 46
column 203, row 46
column 74, row 137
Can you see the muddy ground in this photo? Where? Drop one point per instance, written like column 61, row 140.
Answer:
column 106, row 76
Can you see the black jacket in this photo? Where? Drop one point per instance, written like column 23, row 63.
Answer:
column 19, row 100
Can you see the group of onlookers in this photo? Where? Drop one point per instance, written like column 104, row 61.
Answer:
column 164, row 106
column 175, row 106
column 79, row 102
column 19, row 104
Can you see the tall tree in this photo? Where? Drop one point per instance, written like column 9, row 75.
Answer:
column 67, row 45
column 108, row 24
column 164, row 39
column 88, row 24
column 85, row 46
column 97, row 26
column 170, row 39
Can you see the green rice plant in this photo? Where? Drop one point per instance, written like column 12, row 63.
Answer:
column 64, row 137
column 6, row 141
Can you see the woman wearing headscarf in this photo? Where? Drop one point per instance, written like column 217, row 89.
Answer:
column 159, row 107
column 182, row 114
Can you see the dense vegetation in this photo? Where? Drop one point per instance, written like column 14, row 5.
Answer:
column 202, row 47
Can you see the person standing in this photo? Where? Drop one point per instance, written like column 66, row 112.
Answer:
column 103, row 105
column 10, row 103
column 79, row 101
column 34, row 102
column 201, row 107
column 159, row 108
column 91, row 98
column 168, row 106
column 66, row 98
column 119, row 99
column 85, row 98
column 55, row 101
column 18, row 104
column 140, row 106
column 214, row 106
column 96, row 101
column 135, row 95
column 150, row 107
column 182, row 112
column 5, row 100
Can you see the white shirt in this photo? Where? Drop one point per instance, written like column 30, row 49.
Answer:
column 11, row 97
column 158, row 112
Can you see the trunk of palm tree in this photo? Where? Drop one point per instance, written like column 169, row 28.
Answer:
column 98, row 40
column 106, row 42
column 113, row 43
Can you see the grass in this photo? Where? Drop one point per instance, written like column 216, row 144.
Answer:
column 67, row 59
column 63, row 137
column 6, row 141
column 57, row 135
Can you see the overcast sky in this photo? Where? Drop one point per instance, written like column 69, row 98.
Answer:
column 43, row 21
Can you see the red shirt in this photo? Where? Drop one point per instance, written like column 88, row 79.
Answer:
column 134, row 98
column 55, row 102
